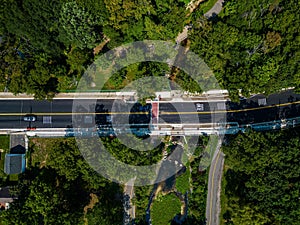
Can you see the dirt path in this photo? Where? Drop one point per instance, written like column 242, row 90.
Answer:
column 99, row 47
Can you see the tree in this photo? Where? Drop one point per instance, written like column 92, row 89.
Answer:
column 249, row 47
column 78, row 27
column 263, row 177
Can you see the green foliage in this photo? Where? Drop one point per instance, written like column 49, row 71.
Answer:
column 4, row 142
column 263, row 178
column 36, row 21
column 107, row 211
column 36, row 40
column 4, row 146
column 77, row 26
column 165, row 208
column 47, row 46
column 56, row 190
column 183, row 181
column 250, row 47
column 146, row 70
column 206, row 6
column 187, row 83
column 133, row 156
column 140, row 200
column 197, row 198
column 47, row 199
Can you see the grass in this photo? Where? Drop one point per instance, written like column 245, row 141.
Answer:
column 183, row 181
column 2, row 157
column 164, row 209
column 4, row 142
column 209, row 151
column 207, row 5
column 185, row 1
column 4, row 146
column 39, row 150
column 2, row 174
column 14, row 177
column 224, row 200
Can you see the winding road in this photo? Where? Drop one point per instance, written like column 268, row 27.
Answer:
column 213, row 207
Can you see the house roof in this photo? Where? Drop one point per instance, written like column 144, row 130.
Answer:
column 5, row 196
column 14, row 163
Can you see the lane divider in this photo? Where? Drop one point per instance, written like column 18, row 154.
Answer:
column 144, row 113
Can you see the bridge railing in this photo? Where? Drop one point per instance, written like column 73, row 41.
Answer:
column 183, row 129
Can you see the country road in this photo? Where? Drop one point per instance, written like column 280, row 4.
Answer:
column 214, row 187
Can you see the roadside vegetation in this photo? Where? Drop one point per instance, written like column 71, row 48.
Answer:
column 4, row 148
column 183, row 181
column 198, row 186
column 5, row 180
column 165, row 208
column 47, row 46
column 59, row 187
column 205, row 6
column 4, row 143
column 251, row 45
column 262, row 175
column 141, row 201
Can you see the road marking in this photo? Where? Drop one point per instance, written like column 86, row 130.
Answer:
column 237, row 110
column 142, row 113
column 72, row 113
column 212, row 184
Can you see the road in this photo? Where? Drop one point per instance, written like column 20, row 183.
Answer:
column 58, row 113
column 214, row 187
column 129, row 208
column 60, row 110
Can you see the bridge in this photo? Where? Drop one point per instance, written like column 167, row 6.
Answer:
column 163, row 116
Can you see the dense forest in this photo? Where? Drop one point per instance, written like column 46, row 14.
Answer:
column 252, row 45
column 46, row 45
column 262, row 178
column 59, row 187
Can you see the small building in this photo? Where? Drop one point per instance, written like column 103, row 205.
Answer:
column 14, row 163
column 5, row 198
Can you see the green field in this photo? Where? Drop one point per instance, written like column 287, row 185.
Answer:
column 164, row 209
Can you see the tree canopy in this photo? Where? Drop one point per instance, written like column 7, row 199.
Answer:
column 250, row 45
column 263, row 178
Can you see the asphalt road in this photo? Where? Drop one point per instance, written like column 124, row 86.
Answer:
column 214, row 187
column 60, row 111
